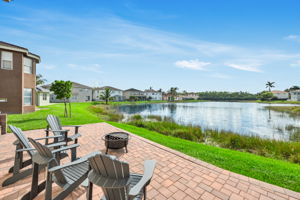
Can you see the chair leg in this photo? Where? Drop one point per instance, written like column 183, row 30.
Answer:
column 73, row 154
column 89, row 193
column 17, row 177
column 35, row 188
column 145, row 193
column 48, row 194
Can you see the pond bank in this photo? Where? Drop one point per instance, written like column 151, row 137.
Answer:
column 289, row 151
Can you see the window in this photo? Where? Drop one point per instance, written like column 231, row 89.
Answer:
column 27, row 65
column 6, row 60
column 3, row 100
column 45, row 95
column 27, row 96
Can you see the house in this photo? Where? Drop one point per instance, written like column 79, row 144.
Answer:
column 80, row 93
column 133, row 94
column 187, row 96
column 295, row 95
column 116, row 93
column 153, row 94
column 282, row 95
column 42, row 96
column 17, row 79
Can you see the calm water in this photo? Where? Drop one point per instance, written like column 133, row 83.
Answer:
column 242, row 118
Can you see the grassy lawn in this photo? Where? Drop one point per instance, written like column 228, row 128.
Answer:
column 81, row 114
column 273, row 171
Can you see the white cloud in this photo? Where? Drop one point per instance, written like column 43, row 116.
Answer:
column 295, row 38
column 295, row 64
column 251, row 67
column 192, row 64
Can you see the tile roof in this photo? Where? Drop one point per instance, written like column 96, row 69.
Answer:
column 104, row 87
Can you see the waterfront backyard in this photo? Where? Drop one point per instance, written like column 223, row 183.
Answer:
column 277, row 171
column 177, row 175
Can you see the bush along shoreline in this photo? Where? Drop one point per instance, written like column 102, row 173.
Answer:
column 282, row 150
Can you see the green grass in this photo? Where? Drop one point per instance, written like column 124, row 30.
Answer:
column 282, row 150
column 273, row 171
column 278, row 102
column 292, row 110
column 81, row 114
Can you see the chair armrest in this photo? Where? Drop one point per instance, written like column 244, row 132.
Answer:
column 65, row 148
column 49, row 137
column 57, row 130
column 76, row 162
column 28, row 149
column 149, row 166
column 56, row 144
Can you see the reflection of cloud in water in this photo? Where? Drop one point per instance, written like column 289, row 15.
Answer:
column 243, row 118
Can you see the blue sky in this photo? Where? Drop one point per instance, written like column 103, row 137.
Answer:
column 194, row 45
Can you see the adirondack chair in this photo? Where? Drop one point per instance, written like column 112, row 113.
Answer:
column 115, row 180
column 68, row 176
column 55, row 126
column 22, row 145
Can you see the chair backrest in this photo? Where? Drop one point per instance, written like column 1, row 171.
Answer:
column 21, row 138
column 46, row 153
column 54, row 122
column 113, row 170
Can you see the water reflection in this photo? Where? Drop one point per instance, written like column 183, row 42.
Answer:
column 242, row 118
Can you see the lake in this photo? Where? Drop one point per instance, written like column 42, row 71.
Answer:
column 241, row 118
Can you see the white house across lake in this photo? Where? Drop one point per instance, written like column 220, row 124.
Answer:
column 282, row 95
column 116, row 93
column 295, row 95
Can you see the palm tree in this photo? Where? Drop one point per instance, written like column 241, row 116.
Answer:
column 270, row 85
column 40, row 80
column 106, row 95
column 173, row 92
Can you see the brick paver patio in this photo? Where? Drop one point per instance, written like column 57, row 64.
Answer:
column 177, row 176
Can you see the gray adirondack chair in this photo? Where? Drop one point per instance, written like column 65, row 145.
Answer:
column 68, row 176
column 55, row 126
column 115, row 180
column 22, row 145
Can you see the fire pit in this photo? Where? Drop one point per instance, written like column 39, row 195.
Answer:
column 116, row 140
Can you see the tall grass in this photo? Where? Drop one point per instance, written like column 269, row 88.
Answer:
column 282, row 150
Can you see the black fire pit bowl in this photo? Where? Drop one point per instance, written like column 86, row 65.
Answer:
column 116, row 140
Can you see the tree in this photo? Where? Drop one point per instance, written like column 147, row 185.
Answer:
column 63, row 91
column 40, row 80
column 270, row 85
column 106, row 95
column 295, row 87
column 173, row 92
column 265, row 96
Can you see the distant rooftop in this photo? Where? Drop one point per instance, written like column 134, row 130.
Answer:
column 279, row 92
column 132, row 90
column 42, row 89
column 104, row 87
